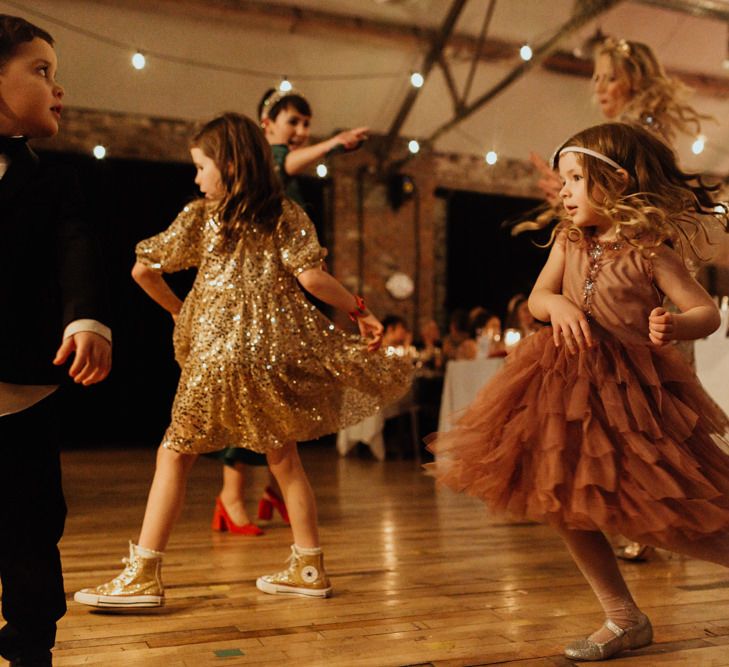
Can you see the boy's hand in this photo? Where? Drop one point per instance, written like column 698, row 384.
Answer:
column 92, row 362
column 661, row 327
column 569, row 324
column 371, row 329
column 352, row 139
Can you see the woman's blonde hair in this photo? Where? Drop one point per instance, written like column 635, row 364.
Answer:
column 252, row 189
column 657, row 202
column 655, row 100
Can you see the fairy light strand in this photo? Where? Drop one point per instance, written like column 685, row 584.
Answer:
column 191, row 62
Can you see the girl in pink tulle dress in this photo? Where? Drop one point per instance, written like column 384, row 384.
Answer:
column 597, row 423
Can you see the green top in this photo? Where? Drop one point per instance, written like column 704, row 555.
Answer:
column 290, row 183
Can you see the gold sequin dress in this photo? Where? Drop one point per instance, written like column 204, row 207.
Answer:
column 620, row 437
column 260, row 365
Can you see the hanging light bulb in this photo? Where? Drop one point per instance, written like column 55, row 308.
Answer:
column 321, row 170
column 413, row 146
column 417, row 80
column 526, row 52
column 285, row 85
column 99, row 152
column 139, row 61
column 698, row 146
column 491, row 157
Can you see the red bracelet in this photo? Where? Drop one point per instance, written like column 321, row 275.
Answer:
column 360, row 309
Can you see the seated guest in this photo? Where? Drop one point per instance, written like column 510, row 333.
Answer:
column 430, row 347
column 396, row 333
column 457, row 333
column 520, row 317
column 484, row 335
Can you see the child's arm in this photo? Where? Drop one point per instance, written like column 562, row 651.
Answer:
column 699, row 315
column 299, row 159
column 329, row 290
column 154, row 284
column 549, row 183
column 547, row 303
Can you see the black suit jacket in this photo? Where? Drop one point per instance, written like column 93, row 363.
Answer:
column 50, row 269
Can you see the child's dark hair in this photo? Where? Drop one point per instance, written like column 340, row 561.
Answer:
column 392, row 321
column 253, row 191
column 274, row 102
column 14, row 31
column 658, row 201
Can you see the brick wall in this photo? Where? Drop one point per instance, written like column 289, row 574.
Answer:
column 370, row 240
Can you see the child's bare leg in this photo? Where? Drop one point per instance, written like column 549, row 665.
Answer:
column 233, row 493
column 594, row 556
column 273, row 484
column 166, row 496
column 286, row 466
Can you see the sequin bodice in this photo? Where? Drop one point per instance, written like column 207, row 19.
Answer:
column 613, row 283
column 250, row 287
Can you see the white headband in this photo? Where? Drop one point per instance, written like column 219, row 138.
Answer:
column 590, row 152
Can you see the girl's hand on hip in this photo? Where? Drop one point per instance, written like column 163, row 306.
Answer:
column 661, row 327
column 371, row 330
column 569, row 324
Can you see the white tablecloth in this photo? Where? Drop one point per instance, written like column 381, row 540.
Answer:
column 463, row 380
column 712, row 363
column 369, row 430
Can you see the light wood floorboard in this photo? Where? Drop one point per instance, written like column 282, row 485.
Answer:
column 422, row 577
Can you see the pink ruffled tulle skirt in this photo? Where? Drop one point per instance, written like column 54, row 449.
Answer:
column 619, row 438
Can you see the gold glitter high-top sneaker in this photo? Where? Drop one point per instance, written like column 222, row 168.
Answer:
column 138, row 585
column 305, row 575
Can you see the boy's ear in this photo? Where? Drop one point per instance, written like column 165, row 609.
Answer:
column 265, row 123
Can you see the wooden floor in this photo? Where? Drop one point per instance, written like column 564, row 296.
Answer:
column 421, row 578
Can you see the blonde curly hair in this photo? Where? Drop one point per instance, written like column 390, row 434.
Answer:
column 655, row 100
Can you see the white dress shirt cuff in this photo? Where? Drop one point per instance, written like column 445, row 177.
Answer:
column 87, row 325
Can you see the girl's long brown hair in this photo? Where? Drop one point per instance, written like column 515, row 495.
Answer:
column 252, row 189
column 659, row 202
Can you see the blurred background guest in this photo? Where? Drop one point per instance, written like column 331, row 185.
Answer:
column 430, row 346
column 457, row 333
column 396, row 333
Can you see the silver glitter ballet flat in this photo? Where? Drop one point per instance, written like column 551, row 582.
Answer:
column 636, row 636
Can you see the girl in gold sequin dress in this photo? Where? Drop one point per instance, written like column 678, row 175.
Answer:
column 261, row 366
column 597, row 424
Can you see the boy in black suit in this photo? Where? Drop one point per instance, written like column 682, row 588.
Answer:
column 52, row 307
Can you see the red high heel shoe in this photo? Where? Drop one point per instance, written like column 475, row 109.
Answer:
column 268, row 502
column 223, row 522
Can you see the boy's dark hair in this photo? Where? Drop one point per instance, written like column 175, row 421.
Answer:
column 14, row 31
column 286, row 101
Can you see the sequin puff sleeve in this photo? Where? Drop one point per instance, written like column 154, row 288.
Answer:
column 179, row 246
column 297, row 241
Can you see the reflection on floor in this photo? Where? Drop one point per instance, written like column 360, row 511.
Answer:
column 420, row 578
